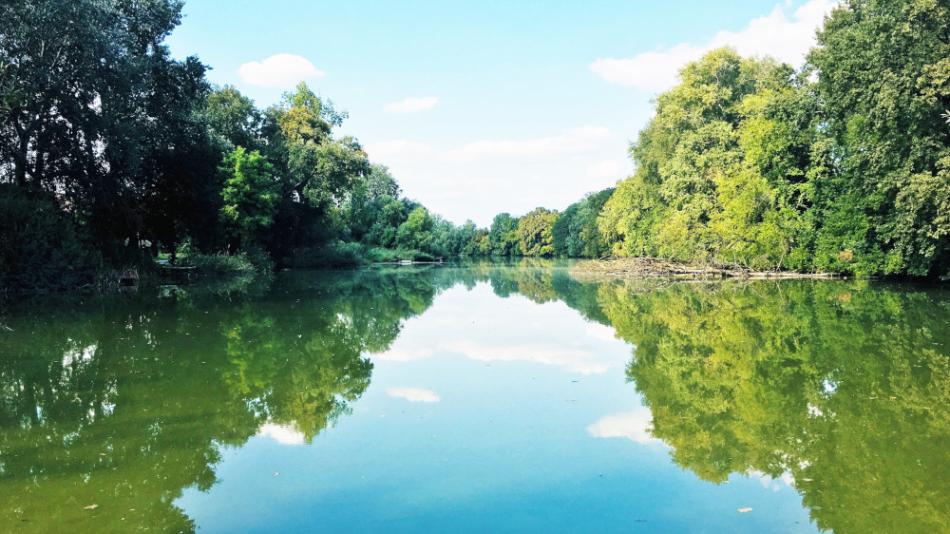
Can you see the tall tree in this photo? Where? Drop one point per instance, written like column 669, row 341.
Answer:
column 884, row 85
column 503, row 235
column 95, row 108
column 720, row 169
column 535, row 236
column 233, row 118
column 249, row 196
column 576, row 234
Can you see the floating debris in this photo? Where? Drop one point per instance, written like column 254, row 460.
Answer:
column 744, row 510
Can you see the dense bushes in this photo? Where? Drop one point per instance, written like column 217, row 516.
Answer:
column 220, row 264
column 40, row 245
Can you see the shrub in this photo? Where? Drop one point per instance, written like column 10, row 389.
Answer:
column 220, row 264
column 40, row 245
column 334, row 254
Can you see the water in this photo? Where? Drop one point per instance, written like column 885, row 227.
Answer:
column 479, row 398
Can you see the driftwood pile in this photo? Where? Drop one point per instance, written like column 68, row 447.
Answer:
column 621, row 268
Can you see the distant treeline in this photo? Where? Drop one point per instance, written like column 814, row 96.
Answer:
column 112, row 153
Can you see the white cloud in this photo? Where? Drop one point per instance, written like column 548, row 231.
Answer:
column 413, row 394
column 573, row 141
column 576, row 359
column 780, row 34
column 283, row 434
column 577, row 140
column 413, row 104
column 395, row 149
column 477, row 178
column 774, row 484
column 636, row 426
column 611, row 169
column 282, row 71
column 553, row 339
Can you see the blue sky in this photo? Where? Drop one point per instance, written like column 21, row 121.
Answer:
column 480, row 107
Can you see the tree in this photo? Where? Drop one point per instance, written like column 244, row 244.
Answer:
column 883, row 69
column 96, row 108
column 503, row 235
column 722, row 169
column 576, row 234
column 416, row 232
column 316, row 171
column 233, row 118
column 535, row 236
column 367, row 202
column 249, row 195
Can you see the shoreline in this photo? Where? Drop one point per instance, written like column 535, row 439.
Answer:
column 626, row 268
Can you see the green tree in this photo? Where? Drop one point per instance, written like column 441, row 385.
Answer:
column 233, row 118
column 249, row 195
column 367, row 205
column 40, row 246
column 535, row 237
column 883, row 69
column 576, row 233
column 97, row 110
column 417, row 232
column 503, row 235
column 722, row 169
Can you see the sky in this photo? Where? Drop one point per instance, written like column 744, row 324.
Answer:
column 483, row 106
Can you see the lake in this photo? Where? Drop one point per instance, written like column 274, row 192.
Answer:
column 481, row 398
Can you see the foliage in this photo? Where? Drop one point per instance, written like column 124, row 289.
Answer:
column 835, row 384
column 416, row 232
column 220, row 264
column 333, row 254
column 535, row 237
column 40, row 245
column 249, row 195
column 883, row 85
column 721, row 170
column 233, row 118
column 99, row 113
column 503, row 235
column 844, row 166
column 576, row 234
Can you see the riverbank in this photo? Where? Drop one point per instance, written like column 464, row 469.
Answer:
column 620, row 268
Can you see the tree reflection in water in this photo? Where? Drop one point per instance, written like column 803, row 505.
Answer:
column 123, row 404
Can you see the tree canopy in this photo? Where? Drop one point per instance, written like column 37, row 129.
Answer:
column 842, row 166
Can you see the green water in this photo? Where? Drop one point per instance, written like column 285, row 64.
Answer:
column 478, row 398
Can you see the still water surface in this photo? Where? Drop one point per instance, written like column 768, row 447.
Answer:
column 479, row 398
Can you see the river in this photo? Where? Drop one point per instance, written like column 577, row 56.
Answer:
column 484, row 398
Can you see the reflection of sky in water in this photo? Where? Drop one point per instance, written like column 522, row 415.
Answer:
column 487, row 414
